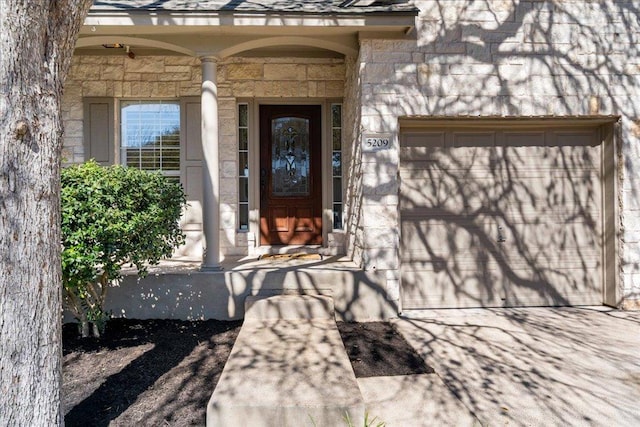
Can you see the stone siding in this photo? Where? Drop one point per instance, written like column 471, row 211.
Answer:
column 503, row 58
column 120, row 77
column 484, row 58
column 352, row 164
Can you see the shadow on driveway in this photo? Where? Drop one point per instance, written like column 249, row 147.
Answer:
column 535, row 366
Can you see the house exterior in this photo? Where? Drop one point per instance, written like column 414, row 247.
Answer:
column 456, row 153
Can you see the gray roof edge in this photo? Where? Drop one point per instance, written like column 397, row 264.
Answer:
column 381, row 12
column 212, row 6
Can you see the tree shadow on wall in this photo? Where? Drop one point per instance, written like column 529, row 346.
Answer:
column 491, row 224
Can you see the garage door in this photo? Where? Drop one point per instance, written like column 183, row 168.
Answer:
column 495, row 217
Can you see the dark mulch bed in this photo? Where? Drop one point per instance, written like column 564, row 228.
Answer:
column 377, row 349
column 162, row 372
column 144, row 372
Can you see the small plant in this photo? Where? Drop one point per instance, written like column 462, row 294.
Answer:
column 373, row 422
column 111, row 217
column 347, row 419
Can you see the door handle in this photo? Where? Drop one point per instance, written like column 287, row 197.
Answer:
column 263, row 183
column 501, row 238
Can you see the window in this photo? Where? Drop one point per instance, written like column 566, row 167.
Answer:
column 243, row 167
column 336, row 163
column 150, row 136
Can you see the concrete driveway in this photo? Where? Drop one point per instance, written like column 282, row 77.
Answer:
column 533, row 366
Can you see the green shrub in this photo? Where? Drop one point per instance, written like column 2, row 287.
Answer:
column 111, row 217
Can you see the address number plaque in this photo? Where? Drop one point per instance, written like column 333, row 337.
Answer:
column 376, row 142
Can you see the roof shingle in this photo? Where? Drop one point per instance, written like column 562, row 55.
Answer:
column 262, row 6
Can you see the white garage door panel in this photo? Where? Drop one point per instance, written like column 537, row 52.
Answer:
column 560, row 287
column 522, row 244
column 501, row 218
column 549, row 253
column 446, row 237
column 466, row 285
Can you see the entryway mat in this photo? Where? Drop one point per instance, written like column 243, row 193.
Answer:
column 287, row 257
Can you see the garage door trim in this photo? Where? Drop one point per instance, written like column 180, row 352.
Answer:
column 608, row 214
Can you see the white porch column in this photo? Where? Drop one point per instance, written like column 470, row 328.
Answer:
column 210, row 168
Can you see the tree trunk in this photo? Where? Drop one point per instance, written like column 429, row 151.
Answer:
column 84, row 327
column 36, row 47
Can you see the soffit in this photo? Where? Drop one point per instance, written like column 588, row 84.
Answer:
column 227, row 28
column 231, row 16
column 258, row 43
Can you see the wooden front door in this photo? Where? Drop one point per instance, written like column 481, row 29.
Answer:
column 290, row 175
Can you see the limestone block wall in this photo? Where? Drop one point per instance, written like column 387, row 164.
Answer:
column 172, row 77
column 504, row 58
column 121, row 77
column 352, row 162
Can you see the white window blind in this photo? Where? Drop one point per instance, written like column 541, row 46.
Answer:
column 150, row 136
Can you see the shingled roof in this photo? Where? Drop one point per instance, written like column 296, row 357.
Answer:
column 262, row 6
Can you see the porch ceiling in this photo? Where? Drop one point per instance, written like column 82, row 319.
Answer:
column 227, row 28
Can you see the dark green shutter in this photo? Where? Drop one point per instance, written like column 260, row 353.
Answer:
column 192, row 147
column 99, row 129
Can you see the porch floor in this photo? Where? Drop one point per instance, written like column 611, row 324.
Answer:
column 178, row 288
column 241, row 264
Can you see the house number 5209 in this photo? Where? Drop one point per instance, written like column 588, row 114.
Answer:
column 376, row 143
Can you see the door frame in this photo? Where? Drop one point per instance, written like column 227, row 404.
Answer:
column 254, row 163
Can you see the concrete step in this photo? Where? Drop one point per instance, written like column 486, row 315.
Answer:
column 179, row 290
column 288, row 367
column 289, row 307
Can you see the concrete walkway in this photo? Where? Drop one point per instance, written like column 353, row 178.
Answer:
column 516, row 367
column 523, row 367
column 414, row 401
column 288, row 367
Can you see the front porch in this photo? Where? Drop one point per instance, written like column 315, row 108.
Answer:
column 179, row 289
column 220, row 68
column 209, row 97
